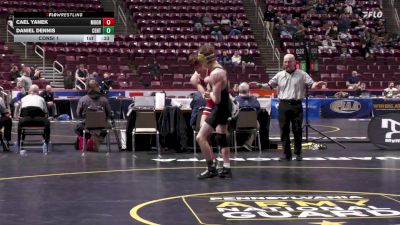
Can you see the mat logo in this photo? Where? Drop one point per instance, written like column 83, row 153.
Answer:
column 345, row 106
column 391, row 124
column 278, row 207
column 282, row 207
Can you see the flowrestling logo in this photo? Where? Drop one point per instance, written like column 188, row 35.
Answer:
column 372, row 14
column 345, row 106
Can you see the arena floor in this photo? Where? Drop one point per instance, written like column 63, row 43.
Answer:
column 356, row 185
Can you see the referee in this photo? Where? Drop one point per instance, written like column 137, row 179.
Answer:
column 292, row 84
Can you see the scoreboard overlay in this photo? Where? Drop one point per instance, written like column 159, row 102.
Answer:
column 63, row 26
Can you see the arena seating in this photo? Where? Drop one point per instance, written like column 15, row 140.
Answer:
column 57, row 5
column 166, row 34
column 379, row 67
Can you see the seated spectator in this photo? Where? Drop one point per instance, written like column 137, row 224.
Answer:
column 34, row 112
column 106, row 83
column 154, row 69
column 48, row 96
column 390, row 91
column 226, row 59
column 216, row 31
column 236, row 58
column 327, row 43
column 94, row 76
column 92, row 101
column 362, row 92
column 15, row 104
column 353, row 82
column 324, row 87
column 14, row 72
column 247, row 58
column 6, row 123
column 237, row 27
column 300, row 33
column 207, row 20
column 81, row 75
column 225, row 25
column 246, row 100
column 235, row 90
column 344, row 51
column 36, row 74
column 197, row 23
column 69, row 80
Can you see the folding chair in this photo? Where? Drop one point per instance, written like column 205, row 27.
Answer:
column 246, row 123
column 32, row 131
column 33, row 127
column 95, row 120
column 145, row 123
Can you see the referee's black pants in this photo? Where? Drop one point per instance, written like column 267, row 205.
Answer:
column 291, row 112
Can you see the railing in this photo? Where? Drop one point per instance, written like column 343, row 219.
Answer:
column 122, row 17
column 395, row 14
column 42, row 54
column 3, row 92
column 9, row 31
column 267, row 35
column 115, row 7
column 77, row 86
column 55, row 69
column 277, row 55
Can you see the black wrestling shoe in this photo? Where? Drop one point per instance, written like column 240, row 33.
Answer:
column 285, row 159
column 225, row 173
column 299, row 158
column 209, row 173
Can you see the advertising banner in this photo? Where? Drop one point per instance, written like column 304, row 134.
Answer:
column 382, row 106
column 384, row 131
column 346, row 108
column 314, row 107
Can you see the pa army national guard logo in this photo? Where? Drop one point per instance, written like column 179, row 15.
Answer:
column 279, row 207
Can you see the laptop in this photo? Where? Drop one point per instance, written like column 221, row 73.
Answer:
column 144, row 103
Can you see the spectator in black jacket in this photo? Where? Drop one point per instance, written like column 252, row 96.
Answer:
column 48, row 97
column 269, row 17
column 197, row 102
column 246, row 100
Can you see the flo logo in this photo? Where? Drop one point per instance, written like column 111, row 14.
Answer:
column 281, row 207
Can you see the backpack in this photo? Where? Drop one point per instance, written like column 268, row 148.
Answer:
column 89, row 144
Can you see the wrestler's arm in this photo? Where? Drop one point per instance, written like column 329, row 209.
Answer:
column 217, row 80
column 196, row 83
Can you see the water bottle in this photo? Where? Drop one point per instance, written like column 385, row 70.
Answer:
column 22, row 152
column 44, row 148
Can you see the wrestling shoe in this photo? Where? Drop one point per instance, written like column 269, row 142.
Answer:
column 225, row 173
column 209, row 173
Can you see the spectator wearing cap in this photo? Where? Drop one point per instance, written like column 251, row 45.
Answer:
column 248, row 101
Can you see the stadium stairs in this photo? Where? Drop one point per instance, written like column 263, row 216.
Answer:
column 257, row 28
column 388, row 12
column 31, row 58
